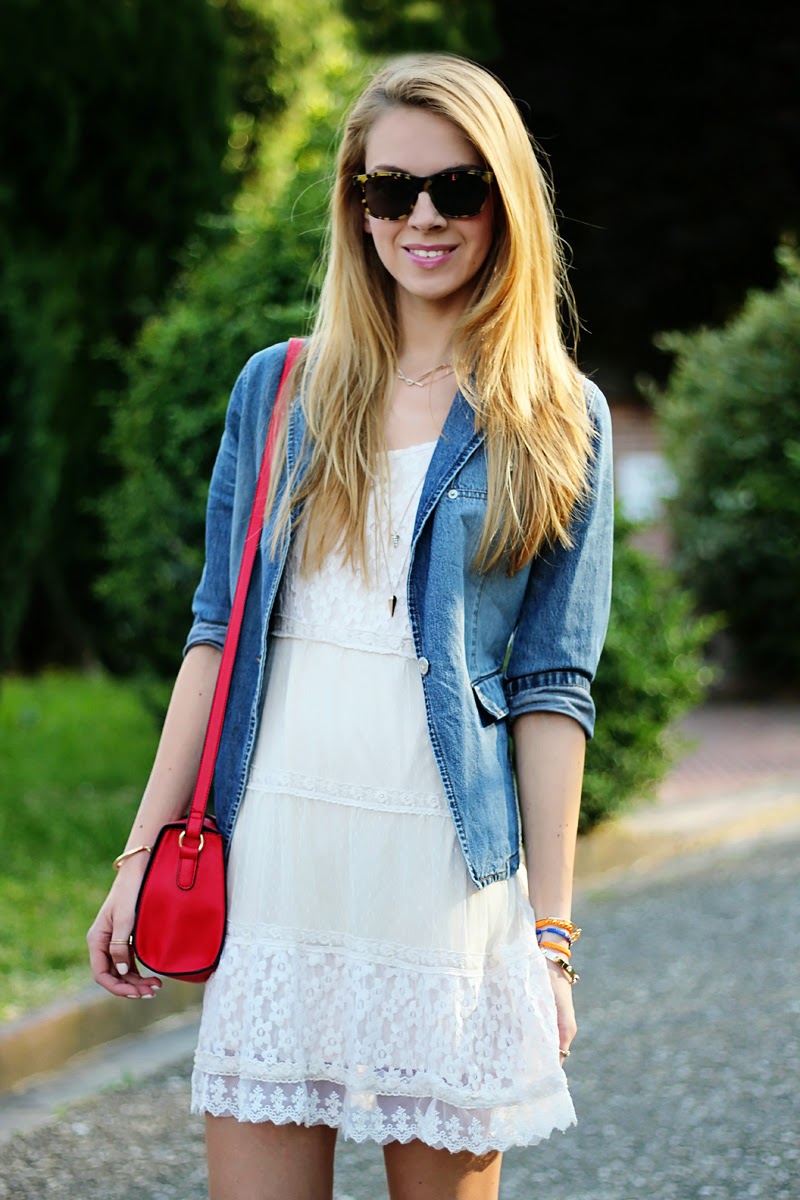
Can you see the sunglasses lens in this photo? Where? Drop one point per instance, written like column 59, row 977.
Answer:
column 389, row 197
column 456, row 194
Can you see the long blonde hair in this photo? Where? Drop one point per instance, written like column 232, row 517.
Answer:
column 509, row 356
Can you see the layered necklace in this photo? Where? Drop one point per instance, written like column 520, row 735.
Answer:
column 428, row 378
column 433, row 376
column 393, row 583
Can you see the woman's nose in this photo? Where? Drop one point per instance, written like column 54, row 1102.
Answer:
column 425, row 215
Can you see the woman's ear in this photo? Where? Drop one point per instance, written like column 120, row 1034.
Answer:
column 367, row 226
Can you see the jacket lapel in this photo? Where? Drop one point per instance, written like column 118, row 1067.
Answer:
column 457, row 441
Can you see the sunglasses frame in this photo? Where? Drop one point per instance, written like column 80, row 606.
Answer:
column 423, row 184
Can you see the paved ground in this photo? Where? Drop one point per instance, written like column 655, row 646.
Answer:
column 684, row 1073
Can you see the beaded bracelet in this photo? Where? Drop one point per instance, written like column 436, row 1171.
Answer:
column 541, row 930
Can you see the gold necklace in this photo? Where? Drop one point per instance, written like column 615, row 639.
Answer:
column 446, row 367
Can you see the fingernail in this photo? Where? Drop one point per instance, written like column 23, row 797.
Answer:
column 122, row 968
column 131, row 995
column 148, row 996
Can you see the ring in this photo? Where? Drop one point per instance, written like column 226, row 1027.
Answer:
column 564, row 1052
column 119, row 942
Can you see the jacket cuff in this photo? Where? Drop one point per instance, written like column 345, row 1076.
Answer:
column 206, row 633
column 565, row 692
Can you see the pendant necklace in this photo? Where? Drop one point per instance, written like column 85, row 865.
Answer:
column 446, row 368
column 394, row 536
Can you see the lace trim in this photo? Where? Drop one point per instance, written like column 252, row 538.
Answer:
column 310, row 787
column 470, row 1059
column 375, row 1082
column 314, row 944
column 385, row 1119
column 349, row 637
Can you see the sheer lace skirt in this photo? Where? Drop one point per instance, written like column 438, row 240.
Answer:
column 365, row 983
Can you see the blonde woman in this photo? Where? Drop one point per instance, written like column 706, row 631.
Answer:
column 434, row 576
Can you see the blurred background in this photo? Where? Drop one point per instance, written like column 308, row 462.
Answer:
column 163, row 179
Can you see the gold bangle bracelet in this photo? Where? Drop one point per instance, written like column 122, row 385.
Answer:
column 120, row 859
column 554, row 957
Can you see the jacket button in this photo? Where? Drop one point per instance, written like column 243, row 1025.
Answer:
column 424, row 666
column 452, row 494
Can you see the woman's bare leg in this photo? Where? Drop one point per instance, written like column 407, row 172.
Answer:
column 268, row 1162
column 417, row 1172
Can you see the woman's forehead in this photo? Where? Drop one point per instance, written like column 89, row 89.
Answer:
column 418, row 141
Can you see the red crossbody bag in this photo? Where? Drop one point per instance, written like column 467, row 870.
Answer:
column 182, row 905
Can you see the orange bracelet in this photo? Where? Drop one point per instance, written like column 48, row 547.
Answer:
column 564, row 951
column 570, row 930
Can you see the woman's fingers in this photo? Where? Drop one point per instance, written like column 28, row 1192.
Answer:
column 112, row 962
column 121, row 955
column 119, row 948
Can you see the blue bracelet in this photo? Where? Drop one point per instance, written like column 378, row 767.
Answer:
column 553, row 929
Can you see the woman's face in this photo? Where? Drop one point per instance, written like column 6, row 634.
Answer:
column 423, row 143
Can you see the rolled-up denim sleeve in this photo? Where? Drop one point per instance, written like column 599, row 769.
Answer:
column 564, row 617
column 212, row 601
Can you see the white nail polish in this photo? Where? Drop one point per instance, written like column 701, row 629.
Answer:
column 147, row 996
column 122, row 968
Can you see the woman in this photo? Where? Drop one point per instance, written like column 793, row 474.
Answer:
column 434, row 574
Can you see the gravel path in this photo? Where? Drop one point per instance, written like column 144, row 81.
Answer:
column 685, row 1072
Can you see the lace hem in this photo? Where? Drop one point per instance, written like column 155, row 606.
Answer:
column 383, row 1118
column 384, row 1034
column 310, row 787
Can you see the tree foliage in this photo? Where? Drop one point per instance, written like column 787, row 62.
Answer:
column 731, row 419
column 397, row 26
column 115, row 120
column 246, row 293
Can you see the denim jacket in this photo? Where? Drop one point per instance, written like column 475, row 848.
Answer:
column 553, row 614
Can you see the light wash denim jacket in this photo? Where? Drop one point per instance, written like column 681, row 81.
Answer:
column 555, row 610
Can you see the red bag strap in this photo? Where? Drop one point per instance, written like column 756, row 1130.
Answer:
column 205, row 773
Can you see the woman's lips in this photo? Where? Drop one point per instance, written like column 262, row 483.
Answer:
column 428, row 257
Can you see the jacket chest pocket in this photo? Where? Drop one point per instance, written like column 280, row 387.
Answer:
column 463, row 506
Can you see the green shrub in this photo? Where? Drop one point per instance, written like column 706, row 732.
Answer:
column 651, row 673
column 166, row 431
column 247, row 283
column 731, row 419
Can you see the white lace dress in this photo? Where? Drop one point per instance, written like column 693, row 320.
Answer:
column 365, row 982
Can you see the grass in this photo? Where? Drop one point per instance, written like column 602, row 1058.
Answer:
column 75, row 750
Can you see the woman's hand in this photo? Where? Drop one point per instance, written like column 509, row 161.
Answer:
column 565, row 1009
column 165, row 798
column 111, row 957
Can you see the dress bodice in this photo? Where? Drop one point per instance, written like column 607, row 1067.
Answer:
column 344, row 605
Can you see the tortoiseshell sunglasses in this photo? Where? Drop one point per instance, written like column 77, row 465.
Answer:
column 392, row 195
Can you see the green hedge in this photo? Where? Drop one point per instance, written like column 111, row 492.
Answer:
column 652, row 671
column 731, row 420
